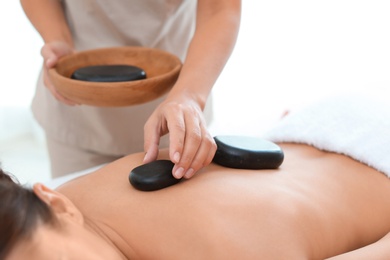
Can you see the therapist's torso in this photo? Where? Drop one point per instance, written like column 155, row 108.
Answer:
column 167, row 25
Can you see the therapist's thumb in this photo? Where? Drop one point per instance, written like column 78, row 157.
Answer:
column 52, row 51
column 49, row 57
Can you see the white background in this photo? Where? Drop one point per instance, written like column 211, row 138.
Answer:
column 288, row 53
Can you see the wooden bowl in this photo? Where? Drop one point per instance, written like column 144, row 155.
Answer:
column 162, row 70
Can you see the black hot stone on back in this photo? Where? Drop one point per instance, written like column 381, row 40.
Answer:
column 243, row 152
column 109, row 73
column 153, row 176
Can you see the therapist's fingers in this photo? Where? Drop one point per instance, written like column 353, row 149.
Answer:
column 51, row 52
column 203, row 155
column 198, row 147
column 176, row 128
column 167, row 118
column 190, row 145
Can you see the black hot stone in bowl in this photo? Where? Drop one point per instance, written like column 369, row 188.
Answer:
column 109, row 73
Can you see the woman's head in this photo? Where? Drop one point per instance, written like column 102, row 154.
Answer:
column 21, row 211
column 41, row 223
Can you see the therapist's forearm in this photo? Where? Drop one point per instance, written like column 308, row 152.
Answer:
column 214, row 39
column 48, row 18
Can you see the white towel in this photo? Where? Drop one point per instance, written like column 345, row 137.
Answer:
column 355, row 126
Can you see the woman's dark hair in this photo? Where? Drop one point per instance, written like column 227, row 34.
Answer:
column 20, row 213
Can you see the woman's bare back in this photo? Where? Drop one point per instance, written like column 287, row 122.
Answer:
column 314, row 206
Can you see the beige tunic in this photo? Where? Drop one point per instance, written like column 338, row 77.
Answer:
column 163, row 24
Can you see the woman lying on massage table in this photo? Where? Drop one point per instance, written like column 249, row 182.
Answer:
column 318, row 204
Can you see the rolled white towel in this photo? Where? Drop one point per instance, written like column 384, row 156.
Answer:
column 355, row 126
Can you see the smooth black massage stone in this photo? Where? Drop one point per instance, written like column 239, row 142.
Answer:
column 109, row 73
column 244, row 152
column 152, row 176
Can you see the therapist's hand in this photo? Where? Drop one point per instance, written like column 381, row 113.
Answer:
column 51, row 52
column 191, row 147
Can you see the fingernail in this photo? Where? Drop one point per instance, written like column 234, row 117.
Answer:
column 179, row 173
column 145, row 157
column 176, row 157
column 189, row 173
